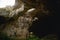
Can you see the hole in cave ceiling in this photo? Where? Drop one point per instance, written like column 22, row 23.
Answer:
column 4, row 3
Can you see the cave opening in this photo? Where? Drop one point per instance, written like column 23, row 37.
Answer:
column 48, row 24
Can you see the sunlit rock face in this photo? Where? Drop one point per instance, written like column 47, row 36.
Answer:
column 19, row 28
column 13, row 28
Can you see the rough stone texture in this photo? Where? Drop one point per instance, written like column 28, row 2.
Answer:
column 18, row 25
column 18, row 28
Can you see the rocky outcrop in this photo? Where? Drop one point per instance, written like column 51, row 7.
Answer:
column 17, row 25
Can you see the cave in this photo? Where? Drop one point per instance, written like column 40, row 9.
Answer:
column 46, row 23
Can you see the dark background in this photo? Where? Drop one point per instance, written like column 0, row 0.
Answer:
column 48, row 24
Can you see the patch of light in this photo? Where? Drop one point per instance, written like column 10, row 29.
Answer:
column 30, row 10
column 4, row 3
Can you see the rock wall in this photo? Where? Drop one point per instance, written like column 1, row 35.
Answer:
column 17, row 25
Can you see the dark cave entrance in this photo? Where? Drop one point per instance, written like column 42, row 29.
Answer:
column 48, row 24
column 44, row 26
